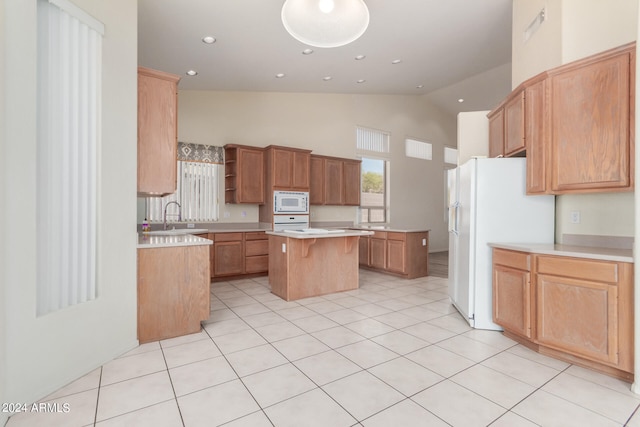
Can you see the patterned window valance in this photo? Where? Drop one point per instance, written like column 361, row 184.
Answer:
column 200, row 153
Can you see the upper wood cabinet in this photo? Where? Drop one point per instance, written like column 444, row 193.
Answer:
column 243, row 174
column 157, row 132
column 591, row 123
column 335, row 181
column 496, row 132
column 576, row 123
column 288, row 168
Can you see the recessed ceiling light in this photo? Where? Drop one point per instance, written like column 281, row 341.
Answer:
column 396, row 61
column 361, row 81
column 327, row 78
column 192, row 73
column 419, row 86
column 307, row 51
column 461, row 100
column 209, row 40
column 280, row 75
column 360, row 57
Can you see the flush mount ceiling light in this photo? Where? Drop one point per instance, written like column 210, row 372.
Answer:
column 325, row 23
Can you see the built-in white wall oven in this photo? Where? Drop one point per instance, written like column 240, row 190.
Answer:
column 291, row 202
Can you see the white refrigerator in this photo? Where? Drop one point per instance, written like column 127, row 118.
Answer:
column 488, row 204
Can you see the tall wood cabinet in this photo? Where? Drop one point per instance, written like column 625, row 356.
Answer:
column 157, row 132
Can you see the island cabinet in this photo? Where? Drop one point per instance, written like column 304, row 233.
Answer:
column 334, row 181
column 238, row 254
column 404, row 254
column 173, row 291
column 243, row 174
column 576, row 309
column 157, row 132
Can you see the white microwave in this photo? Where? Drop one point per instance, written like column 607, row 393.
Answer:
column 291, row 202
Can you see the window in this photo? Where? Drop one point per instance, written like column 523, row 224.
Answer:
column 197, row 194
column 418, row 149
column 68, row 141
column 373, row 200
column 373, row 147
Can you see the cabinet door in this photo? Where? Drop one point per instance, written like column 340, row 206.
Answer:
column 250, row 176
column 333, row 181
column 282, row 169
column 514, row 125
column 300, row 171
column 363, row 251
column 351, row 171
column 578, row 316
column 535, row 138
column 228, row 258
column 157, row 132
column 496, row 133
column 512, row 299
column 396, row 256
column 378, row 253
column 316, row 186
column 590, row 110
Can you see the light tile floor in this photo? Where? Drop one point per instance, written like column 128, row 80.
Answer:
column 392, row 353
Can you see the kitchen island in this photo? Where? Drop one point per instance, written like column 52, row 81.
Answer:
column 308, row 263
column 173, row 285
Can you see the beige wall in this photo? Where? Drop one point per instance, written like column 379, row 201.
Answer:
column 326, row 123
column 41, row 354
column 572, row 30
column 3, row 225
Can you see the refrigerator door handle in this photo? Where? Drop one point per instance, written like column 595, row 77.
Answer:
column 453, row 218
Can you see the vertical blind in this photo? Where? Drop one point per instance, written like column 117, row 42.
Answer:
column 372, row 140
column 197, row 193
column 68, row 136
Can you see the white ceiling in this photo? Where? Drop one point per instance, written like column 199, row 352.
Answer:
column 452, row 48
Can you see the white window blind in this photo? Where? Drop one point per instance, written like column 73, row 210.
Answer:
column 451, row 155
column 197, row 194
column 418, row 149
column 372, row 140
column 68, row 139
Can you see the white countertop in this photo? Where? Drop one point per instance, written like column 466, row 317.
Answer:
column 327, row 234
column 392, row 228
column 148, row 241
column 605, row 254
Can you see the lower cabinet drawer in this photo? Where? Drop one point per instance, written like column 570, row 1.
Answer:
column 601, row 271
column 256, row 247
column 256, row 264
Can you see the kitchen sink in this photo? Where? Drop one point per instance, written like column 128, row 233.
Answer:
column 178, row 231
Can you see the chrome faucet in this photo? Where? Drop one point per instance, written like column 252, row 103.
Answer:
column 165, row 213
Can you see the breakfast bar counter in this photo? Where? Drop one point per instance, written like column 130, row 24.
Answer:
column 313, row 262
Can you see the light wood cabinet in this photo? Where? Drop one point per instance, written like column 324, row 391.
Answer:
column 173, row 291
column 243, row 174
column 404, row 254
column 575, row 123
column 512, row 291
column 157, row 132
column 335, row 181
column 239, row 254
column 288, row 168
column 496, row 132
column 536, row 137
column 591, row 124
column 576, row 309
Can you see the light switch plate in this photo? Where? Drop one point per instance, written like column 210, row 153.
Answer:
column 575, row 217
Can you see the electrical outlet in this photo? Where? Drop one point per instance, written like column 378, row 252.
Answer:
column 227, row 214
column 191, row 225
column 575, row 217
column 243, row 214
